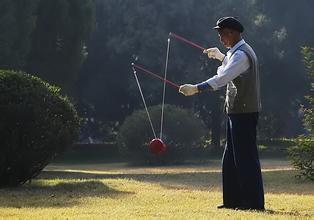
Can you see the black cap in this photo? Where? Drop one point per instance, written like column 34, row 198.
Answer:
column 229, row 22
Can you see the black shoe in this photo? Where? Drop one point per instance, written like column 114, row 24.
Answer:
column 225, row 207
column 221, row 207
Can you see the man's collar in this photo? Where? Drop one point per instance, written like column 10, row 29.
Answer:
column 231, row 51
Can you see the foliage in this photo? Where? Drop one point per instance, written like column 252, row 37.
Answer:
column 137, row 28
column 37, row 123
column 275, row 148
column 53, row 39
column 183, row 132
column 267, row 125
column 302, row 155
column 86, row 153
column 46, row 37
column 59, row 41
column 17, row 21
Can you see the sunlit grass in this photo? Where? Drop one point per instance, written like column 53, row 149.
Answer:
column 114, row 191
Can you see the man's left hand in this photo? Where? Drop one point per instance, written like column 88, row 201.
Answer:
column 188, row 89
column 214, row 53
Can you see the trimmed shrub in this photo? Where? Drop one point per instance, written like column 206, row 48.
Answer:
column 183, row 133
column 36, row 124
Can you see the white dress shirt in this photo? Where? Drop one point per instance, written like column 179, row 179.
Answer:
column 232, row 66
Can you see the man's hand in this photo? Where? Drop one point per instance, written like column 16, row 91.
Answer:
column 188, row 89
column 214, row 53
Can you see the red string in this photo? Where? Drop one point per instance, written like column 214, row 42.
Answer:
column 186, row 41
column 155, row 75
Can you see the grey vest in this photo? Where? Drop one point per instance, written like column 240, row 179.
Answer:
column 243, row 93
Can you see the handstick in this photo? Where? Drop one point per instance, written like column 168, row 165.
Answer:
column 155, row 75
column 187, row 41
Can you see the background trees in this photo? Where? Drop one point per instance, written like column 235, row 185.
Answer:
column 128, row 29
column 46, row 38
column 58, row 41
column 17, row 21
column 86, row 47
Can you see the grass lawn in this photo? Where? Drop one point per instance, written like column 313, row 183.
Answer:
column 115, row 191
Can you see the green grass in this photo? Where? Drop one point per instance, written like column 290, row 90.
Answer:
column 115, row 191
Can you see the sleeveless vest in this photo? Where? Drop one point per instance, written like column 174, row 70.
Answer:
column 243, row 93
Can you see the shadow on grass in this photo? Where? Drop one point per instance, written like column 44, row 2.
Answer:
column 39, row 194
column 195, row 180
column 276, row 182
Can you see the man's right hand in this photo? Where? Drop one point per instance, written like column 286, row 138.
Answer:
column 188, row 89
column 214, row 53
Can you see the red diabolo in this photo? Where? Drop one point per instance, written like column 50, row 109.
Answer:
column 157, row 146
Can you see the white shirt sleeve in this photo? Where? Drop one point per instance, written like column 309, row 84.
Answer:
column 229, row 70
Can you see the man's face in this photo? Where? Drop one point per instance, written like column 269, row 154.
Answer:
column 226, row 36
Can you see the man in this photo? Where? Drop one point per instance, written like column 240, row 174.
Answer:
column 241, row 172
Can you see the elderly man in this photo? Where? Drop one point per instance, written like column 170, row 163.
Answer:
column 241, row 172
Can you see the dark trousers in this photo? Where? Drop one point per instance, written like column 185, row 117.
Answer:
column 241, row 171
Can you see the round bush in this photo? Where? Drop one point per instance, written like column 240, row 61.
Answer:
column 36, row 124
column 183, row 133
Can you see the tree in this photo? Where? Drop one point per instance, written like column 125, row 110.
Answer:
column 47, row 38
column 58, row 41
column 17, row 21
column 302, row 155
